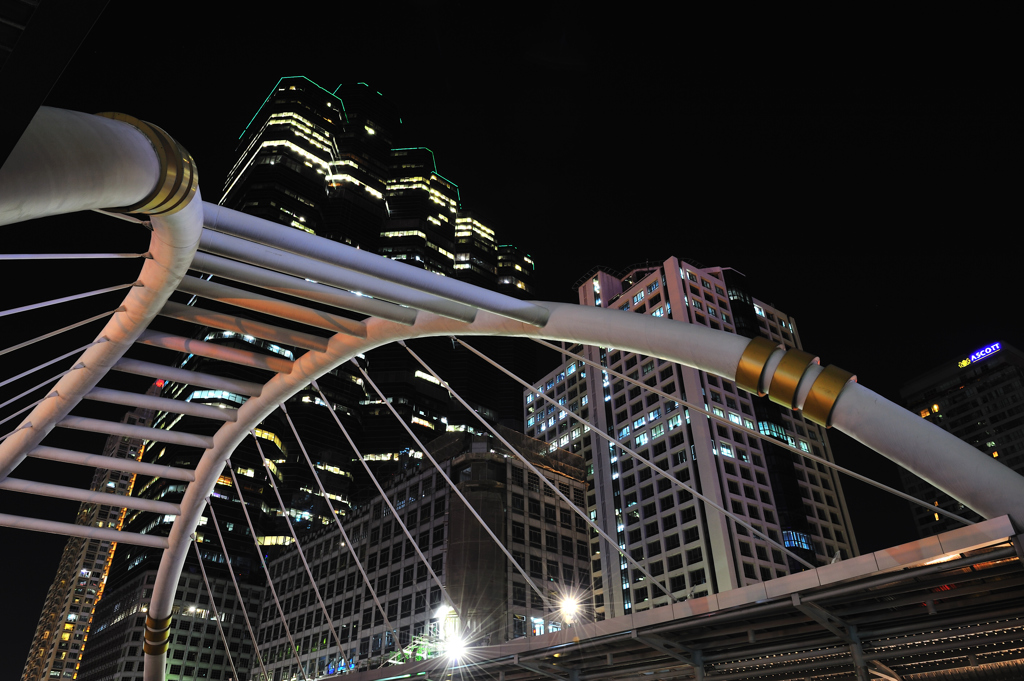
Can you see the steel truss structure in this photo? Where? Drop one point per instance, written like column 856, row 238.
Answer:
column 955, row 601
column 69, row 161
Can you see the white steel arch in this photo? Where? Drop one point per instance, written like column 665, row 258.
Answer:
column 69, row 161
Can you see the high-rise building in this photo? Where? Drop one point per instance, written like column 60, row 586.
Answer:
column 330, row 163
column 493, row 599
column 64, row 624
column 678, row 539
column 327, row 163
column 979, row 398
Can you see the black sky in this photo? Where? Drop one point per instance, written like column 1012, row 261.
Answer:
column 861, row 171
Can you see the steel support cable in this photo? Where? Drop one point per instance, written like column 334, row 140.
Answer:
column 337, row 521
column 213, row 603
column 447, row 479
column 21, row 427
column 51, row 334
column 637, row 458
column 238, row 592
column 531, row 467
column 387, row 500
column 71, row 256
column 291, row 530
column 66, row 299
column 496, row 434
column 23, row 374
column 266, row 571
column 757, row 434
column 471, row 510
column 41, row 385
column 23, row 410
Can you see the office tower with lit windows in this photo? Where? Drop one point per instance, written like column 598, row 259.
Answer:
column 64, row 624
column 514, row 270
column 196, row 650
column 979, row 398
column 310, row 162
column 331, row 162
column 327, row 163
column 689, row 546
column 492, row 597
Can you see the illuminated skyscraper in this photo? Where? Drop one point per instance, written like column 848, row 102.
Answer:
column 979, row 398
column 327, row 163
column 494, row 602
column 67, row 614
column 331, row 163
column 680, row 540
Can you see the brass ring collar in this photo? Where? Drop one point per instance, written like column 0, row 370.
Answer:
column 179, row 177
column 752, row 363
column 825, row 390
column 820, row 401
column 786, row 378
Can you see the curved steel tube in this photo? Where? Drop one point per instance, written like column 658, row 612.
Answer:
column 716, row 352
column 68, row 161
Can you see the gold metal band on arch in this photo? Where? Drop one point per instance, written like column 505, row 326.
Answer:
column 179, row 178
column 782, row 387
column 157, row 636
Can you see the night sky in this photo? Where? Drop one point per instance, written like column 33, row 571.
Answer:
column 862, row 179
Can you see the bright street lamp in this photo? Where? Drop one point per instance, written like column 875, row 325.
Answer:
column 455, row 647
column 570, row 608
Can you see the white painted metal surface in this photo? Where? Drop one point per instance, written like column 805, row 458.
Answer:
column 71, row 161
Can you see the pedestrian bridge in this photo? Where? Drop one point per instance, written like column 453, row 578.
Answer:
column 878, row 614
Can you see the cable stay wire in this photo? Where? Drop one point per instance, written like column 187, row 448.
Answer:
column 641, row 460
column 531, row 467
column 266, row 571
column 582, row 513
column 761, row 436
column 288, row 521
column 21, row 427
column 51, row 334
column 238, row 592
column 387, row 500
column 66, row 299
column 42, row 385
column 23, row 410
column 213, row 604
column 71, row 256
column 505, row 442
column 34, row 369
column 344, row 534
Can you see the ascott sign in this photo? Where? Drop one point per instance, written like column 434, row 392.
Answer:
column 980, row 355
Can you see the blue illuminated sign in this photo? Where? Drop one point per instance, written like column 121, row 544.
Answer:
column 980, row 355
